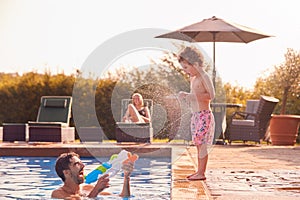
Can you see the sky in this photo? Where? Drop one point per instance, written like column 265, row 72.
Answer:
column 60, row 35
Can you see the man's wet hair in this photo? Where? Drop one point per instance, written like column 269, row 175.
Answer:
column 63, row 162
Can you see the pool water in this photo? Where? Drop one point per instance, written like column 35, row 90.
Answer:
column 35, row 178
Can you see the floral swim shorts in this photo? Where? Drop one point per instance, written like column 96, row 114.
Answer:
column 203, row 127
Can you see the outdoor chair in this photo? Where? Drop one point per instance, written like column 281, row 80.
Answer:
column 251, row 107
column 251, row 125
column 219, row 111
column 53, row 119
column 134, row 132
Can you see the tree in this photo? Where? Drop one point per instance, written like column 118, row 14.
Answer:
column 286, row 79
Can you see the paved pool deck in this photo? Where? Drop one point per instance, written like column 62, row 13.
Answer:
column 237, row 171
column 257, row 172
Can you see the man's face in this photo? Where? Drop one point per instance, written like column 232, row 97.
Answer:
column 76, row 170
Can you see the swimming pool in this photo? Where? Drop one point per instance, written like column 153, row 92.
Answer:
column 35, row 178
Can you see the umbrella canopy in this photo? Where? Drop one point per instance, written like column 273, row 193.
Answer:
column 215, row 30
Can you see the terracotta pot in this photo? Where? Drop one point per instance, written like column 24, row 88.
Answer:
column 284, row 129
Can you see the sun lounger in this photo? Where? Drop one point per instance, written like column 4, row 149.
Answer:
column 52, row 124
column 134, row 132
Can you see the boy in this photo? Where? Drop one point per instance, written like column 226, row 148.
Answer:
column 201, row 93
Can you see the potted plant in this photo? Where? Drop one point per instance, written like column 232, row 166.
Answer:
column 284, row 127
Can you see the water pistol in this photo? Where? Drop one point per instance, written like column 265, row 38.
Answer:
column 112, row 167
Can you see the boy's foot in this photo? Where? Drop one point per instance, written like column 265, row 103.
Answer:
column 196, row 177
column 191, row 175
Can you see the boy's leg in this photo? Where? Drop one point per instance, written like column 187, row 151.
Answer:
column 202, row 158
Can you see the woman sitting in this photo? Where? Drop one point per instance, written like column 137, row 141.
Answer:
column 136, row 111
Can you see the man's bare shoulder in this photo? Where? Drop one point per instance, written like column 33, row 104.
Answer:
column 61, row 194
column 58, row 193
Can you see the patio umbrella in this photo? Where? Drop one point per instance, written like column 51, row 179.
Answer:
column 215, row 30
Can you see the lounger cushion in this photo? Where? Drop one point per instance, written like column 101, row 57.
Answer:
column 247, row 122
column 55, row 103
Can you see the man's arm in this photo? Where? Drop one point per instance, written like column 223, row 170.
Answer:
column 128, row 168
column 102, row 183
column 126, row 186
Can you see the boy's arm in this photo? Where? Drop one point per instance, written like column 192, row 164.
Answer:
column 209, row 93
column 209, row 86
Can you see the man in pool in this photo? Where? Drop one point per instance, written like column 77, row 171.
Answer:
column 70, row 169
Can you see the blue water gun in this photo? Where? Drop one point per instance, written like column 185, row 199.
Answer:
column 113, row 166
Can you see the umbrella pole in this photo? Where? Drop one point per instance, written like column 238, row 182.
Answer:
column 214, row 61
column 214, row 64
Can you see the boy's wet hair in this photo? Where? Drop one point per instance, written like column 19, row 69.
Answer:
column 191, row 55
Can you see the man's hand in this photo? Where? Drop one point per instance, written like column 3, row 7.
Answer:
column 102, row 183
column 128, row 167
